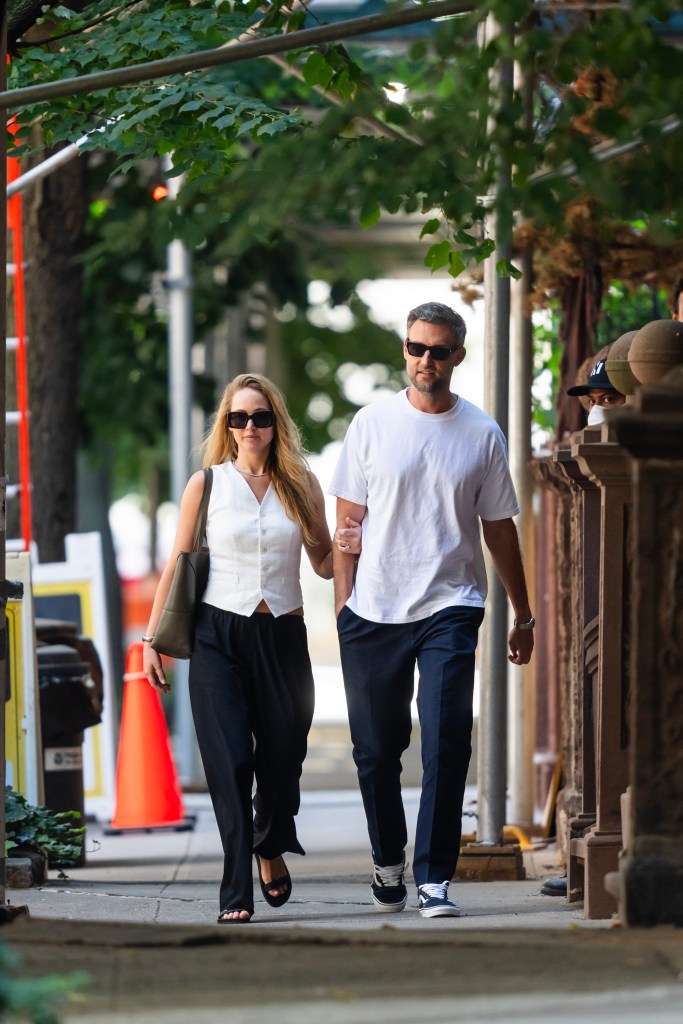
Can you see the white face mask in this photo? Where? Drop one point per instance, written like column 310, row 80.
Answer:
column 596, row 415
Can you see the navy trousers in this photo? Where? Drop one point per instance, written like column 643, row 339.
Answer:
column 252, row 696
column 378, row 662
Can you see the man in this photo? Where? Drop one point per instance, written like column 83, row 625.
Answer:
column 599, row 391
column 420, row 470
column 677, row 300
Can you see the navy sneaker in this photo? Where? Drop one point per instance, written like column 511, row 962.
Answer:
column 433, row 901
column 388, row 888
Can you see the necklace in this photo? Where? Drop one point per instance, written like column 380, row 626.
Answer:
column 245, row 472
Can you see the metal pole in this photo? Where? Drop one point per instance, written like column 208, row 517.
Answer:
column 521, row 689
column 204, row 59
column 180, row 331
column 58, row 159
column 492, row 737
column 3, row 407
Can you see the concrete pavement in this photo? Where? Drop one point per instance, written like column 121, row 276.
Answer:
column 139, row 919
column 168, row 877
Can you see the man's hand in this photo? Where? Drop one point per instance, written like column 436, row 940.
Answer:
column 502, row 541
column 521, row 644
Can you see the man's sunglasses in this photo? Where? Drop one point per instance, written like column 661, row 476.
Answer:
column 438, row 352
column 263, row 418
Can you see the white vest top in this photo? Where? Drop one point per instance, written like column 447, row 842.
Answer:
column 255, row 550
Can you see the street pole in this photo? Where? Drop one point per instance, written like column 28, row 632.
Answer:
column 521, row 677
column 180, row 332
column 522, row 691
column 492, row 735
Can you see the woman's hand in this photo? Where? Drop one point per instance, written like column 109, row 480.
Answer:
column 348, row 540
column 153, row 669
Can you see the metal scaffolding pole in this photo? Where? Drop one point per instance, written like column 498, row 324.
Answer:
column 179, row 286
column 234, row 54
column 521, row 678
column 492, row 737
column 521, row 694
column 3, row 404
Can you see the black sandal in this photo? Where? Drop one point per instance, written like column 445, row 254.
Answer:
column 277, row 883
column 234, row 920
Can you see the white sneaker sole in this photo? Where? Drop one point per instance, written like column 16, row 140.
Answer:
column 389, row 908
column 451, row 911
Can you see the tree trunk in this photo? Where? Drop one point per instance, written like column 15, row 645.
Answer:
column 54, row 218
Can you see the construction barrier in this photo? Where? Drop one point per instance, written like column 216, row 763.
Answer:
column 147, row 790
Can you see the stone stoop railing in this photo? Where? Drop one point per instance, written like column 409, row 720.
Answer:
column 618, row 638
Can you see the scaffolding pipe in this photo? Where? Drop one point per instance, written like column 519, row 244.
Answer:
column 3, row 433
column 521, row 691
column 180, row 333
column 221, row 55
column 521, row 697
column 492, row 738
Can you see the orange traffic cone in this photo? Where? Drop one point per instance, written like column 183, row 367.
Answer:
column 147, row 790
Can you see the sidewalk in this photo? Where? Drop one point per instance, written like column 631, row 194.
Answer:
column 139, row 918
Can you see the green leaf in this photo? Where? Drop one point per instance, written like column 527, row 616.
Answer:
column 504, row 268
column 369, row 215
column 456, row 264
column 485, row 249
column 430, row 227
column 438, row 255
column 317, row 71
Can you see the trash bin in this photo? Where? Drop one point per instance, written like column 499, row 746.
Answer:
column 58, row 631
column 69, row 704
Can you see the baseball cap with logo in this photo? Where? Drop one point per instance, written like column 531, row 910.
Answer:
column 596, row 379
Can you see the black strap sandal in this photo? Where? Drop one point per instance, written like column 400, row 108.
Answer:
column 234, row 920
column 277, row 883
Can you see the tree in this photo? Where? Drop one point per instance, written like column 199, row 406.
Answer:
column 596, row 74
column 124, row 348
column 53, row 225
column 267, row 160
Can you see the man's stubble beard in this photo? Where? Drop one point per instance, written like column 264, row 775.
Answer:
column 436, row 386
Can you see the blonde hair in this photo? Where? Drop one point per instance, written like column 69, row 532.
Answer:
column 289, row 472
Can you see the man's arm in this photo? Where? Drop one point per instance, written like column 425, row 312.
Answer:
column 502, row 541
column 344, row 563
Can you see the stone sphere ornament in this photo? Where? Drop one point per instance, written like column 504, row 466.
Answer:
column 618, row 367
column 656, row 348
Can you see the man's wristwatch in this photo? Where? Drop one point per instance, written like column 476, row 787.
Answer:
column 526, row 625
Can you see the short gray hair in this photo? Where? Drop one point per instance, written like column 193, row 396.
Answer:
column 437, row 313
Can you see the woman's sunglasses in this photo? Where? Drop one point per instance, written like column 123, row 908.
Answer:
column 263, row 418
column 438, row 352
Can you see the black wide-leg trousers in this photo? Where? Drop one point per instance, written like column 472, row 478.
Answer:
column 252, row 696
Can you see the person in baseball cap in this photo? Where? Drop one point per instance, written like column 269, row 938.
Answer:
column 599, row 393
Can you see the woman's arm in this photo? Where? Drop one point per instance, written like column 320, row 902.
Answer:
column 187, row 522
column 320, row 553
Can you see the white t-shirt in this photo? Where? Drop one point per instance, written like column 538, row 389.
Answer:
column 426, row 479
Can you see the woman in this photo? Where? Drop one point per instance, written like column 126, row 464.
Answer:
column 251, row 685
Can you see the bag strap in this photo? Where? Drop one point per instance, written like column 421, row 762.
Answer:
column 200, row 528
